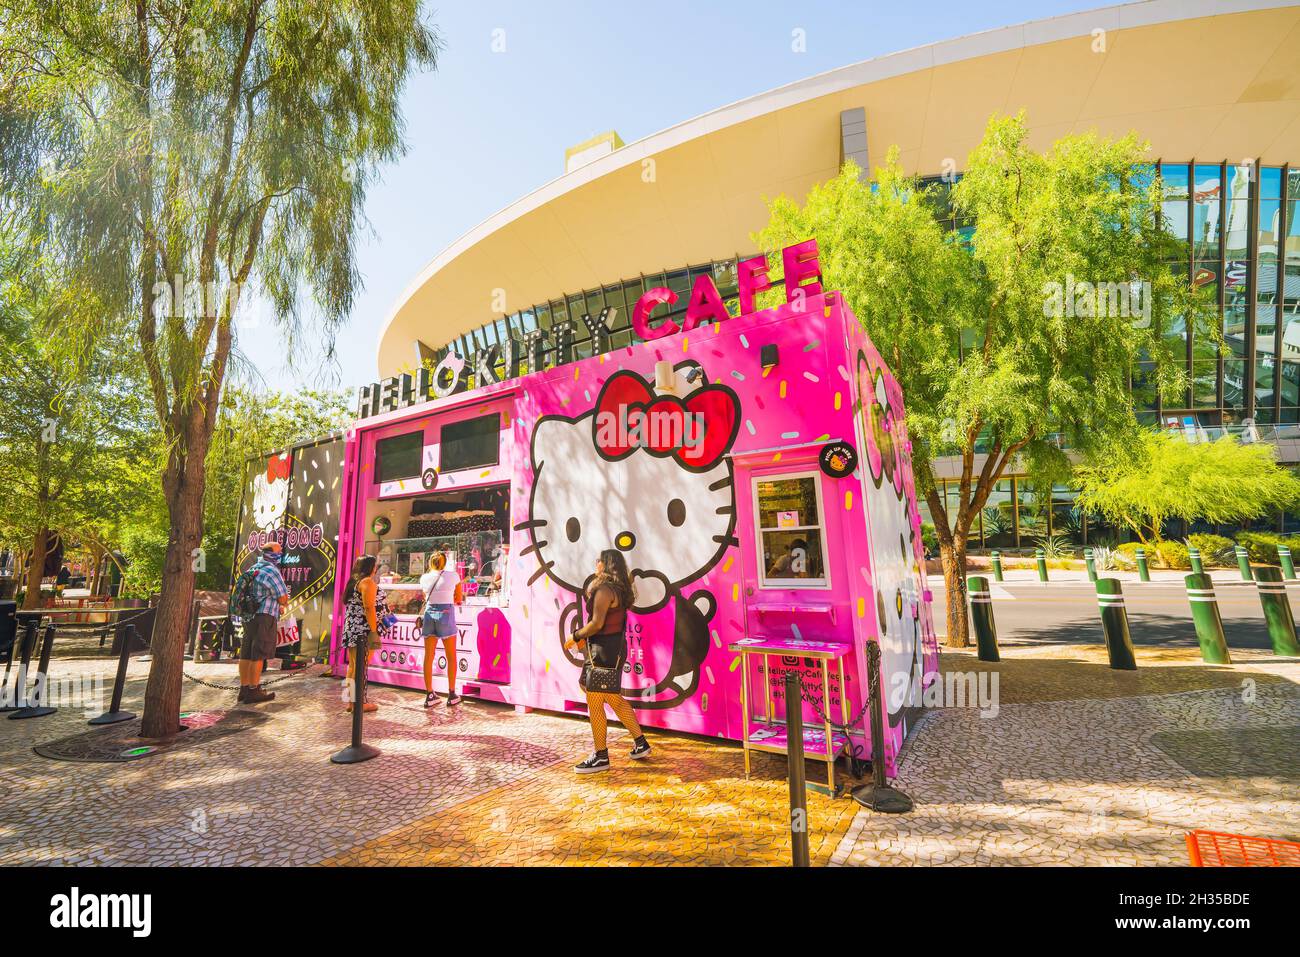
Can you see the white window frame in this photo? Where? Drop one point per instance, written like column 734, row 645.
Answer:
column 773, row 584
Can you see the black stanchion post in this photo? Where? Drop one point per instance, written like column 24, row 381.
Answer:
column 358, row 750
column 115, row 714
column 878, row 795
column 19, row 699
column 40, row 706
column 800, row 856
column 6, row 696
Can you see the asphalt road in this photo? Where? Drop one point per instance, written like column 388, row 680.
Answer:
column 1158, row 612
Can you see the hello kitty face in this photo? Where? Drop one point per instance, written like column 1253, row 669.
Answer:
column 671, row 517
column 895, row 541
column 271, row 494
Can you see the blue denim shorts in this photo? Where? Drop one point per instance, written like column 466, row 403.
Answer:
column 439, row 621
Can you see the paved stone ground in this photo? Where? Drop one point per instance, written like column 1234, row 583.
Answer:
column 1081, row 764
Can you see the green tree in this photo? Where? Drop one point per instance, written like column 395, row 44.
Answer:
column 249, row 424
column 1004, row 361
column 1164, row 476
column 75, row 441
column 185, row 152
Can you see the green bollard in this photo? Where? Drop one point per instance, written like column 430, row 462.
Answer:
column 1114, row 624
column 1041, row 559
column 1194, row 556
column 981, row 616
column 1206, row 617
column 1091, row 562
column 1284, row 559
column 997, row 565
column 1277, row 611
column 1144, row 572
column 1243, row 564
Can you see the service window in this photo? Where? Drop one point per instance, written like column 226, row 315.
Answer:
column 399, row 457
column 470, row 443
column 791, row 537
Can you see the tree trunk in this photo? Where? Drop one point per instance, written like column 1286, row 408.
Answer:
column 184, row 491
column 36, row 568
column 953, row 557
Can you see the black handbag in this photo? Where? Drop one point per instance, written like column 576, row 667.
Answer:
column 600, row 680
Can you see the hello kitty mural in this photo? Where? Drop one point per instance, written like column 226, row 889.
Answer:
column 271, row 493
column 703, row 453
column 670, row 509
column 894, row 523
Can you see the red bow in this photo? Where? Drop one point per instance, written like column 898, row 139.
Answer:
column 666, row 424
column 277, row 466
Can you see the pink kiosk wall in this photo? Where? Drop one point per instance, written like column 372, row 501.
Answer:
column 694, row 548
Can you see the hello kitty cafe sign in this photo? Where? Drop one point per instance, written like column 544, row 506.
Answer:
column 526, row 354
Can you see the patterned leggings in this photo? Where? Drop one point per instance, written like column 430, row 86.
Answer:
column 596, row 702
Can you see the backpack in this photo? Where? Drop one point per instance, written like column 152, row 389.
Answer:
column 246, row 602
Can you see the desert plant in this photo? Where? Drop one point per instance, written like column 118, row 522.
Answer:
column 1054, row 546
column 1215, row 549
column 1262, row 546
column 1103, row 556
column 1173, row 555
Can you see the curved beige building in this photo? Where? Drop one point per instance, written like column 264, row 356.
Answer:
column 1213, row 86
column 1201, row 80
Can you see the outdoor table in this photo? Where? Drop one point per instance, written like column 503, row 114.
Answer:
column 770, row 734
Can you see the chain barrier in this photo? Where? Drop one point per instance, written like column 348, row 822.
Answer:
column 856, row 764
column 310, row 669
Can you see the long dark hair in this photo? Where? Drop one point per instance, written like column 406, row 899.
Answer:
column 361, row 568
column 616, row 577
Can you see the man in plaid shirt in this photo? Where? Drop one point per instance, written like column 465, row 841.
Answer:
column 262, row 629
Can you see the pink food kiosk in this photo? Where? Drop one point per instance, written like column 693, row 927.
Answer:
column 755, row 471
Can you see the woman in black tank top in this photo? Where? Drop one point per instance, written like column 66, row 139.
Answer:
column 604, row 639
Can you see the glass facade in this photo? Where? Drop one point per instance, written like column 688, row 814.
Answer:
column 1240, row 227
column 620, row 296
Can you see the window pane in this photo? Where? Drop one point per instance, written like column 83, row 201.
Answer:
column 1234, row 384
column 788, row 503
column 1270, row 182
column 1289, row 386
column 1263, row 385
column 1205, row 377
column 1032, row 513
column 1270, row 229
column 999, row 517
column 793, row 555
column 1205, row 211
column 1067, row 520
column 1237, row 235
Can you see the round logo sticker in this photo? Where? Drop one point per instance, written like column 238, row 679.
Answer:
column 429, row 478
column 838, row 459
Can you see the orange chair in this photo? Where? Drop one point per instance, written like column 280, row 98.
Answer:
column 1215, row 849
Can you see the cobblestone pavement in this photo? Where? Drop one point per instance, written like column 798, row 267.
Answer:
column 1080, row 764
column 1083, row 765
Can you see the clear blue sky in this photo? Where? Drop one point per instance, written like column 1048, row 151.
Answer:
column 488, row 127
